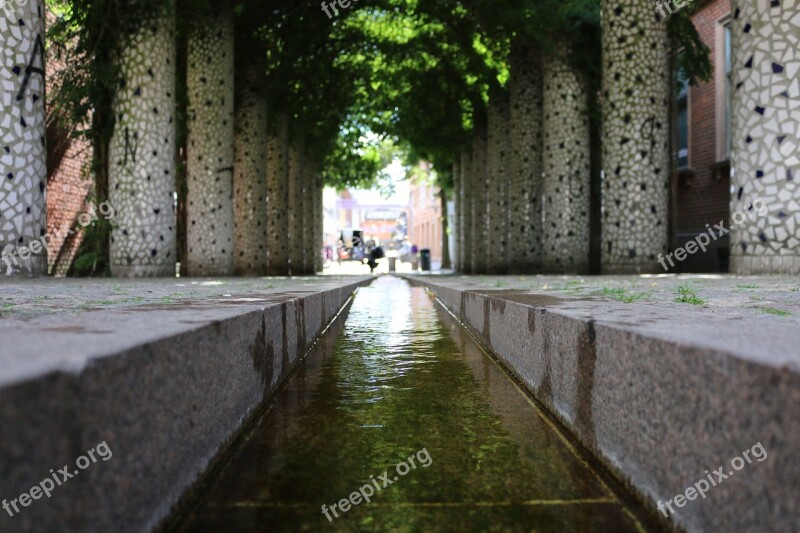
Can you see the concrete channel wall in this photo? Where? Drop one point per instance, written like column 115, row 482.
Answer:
column 165, row 387
column 662, row 398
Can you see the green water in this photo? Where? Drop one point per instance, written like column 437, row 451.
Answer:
column 401, row 379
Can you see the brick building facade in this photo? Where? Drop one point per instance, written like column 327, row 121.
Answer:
column 425, row 218
column 69, row 178
column 68, row 187
column 701, row 190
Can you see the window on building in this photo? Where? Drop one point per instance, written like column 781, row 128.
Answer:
column 728, row 140
column 723, row 88
column 682, row 119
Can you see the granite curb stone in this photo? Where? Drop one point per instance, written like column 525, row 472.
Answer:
column 659, row 395
column 165, row 386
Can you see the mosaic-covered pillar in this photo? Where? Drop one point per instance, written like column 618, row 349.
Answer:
column 479, row 222
column 317, row 237
column 319, row 234
column 765, row 181
column 297, row 170
column 525, row 161
column 635, row 135
column 311, row 168
column 497, row 149
column 309, row 219
column 466, row 214
column 565, row 164
column 278, row 195
column 456, row 229
column 22, row 148
column 250, row 176
column 210, row 146
column 142, row 154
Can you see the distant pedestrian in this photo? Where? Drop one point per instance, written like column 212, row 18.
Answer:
column 375, row 253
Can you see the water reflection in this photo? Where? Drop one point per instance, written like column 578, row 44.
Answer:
column 397, row 377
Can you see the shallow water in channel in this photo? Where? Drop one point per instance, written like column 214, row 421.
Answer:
column 400, row 379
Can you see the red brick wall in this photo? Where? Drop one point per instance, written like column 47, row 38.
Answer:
column 704, row 199
column 67, row 190
column 425, row 222
column 68, row 184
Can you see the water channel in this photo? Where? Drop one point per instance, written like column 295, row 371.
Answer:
column 398, row 405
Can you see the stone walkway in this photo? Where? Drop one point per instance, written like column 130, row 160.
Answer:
column 758, row 297
column 26, row 298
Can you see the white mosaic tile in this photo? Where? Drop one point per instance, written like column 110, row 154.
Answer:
column 766, row 130
column 250, row 177
column 278, row 195
column 142, row 154
column 210, row 147
column 635, row 136
column 566, row 167
column 23, row 170
column 497, row 157
column 525, row 164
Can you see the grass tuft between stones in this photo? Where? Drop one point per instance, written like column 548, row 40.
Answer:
column 687, row 295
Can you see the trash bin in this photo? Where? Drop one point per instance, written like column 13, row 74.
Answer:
column 392, row 262
column 425, row 260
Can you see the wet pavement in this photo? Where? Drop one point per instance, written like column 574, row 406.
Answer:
column 398, row 405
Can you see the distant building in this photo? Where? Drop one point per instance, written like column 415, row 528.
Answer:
column 330, row 221
column 380, row 224
column 702, row 137
column 425, row 218
column 381, row 221
column 70, row 180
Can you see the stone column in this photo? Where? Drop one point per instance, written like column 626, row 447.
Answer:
column 22, row 132
column 250, row 176
column 635, row 135
column 467, row 211
column 525, row 162
column 497, row 184
column 565, row 163
column 297, row 169
column 209, row 146
column 277, row 195
column 309, row 217
column 479, row 207
column 765, row 178
column 456, row 229
column 142, row 154
column 319, row 234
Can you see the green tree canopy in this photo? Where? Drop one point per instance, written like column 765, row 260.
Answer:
column 406, row 74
